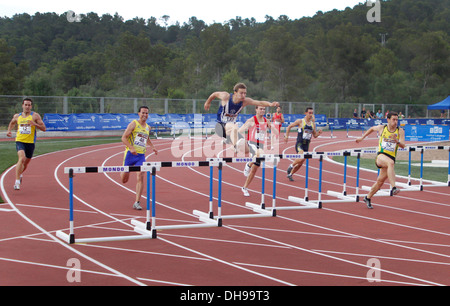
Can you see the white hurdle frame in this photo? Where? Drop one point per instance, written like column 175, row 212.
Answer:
column 148, row 229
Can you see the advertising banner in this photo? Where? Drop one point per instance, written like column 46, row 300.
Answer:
column 426, row 132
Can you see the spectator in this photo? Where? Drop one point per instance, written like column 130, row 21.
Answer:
column 379, row 114
column 363, row 113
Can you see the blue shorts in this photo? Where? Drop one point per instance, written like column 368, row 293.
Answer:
column 27, row 147
column 133, row 160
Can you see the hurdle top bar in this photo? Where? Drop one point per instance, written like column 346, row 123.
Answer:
column 149, row 166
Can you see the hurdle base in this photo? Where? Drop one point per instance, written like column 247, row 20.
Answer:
column 141, row 227
column 70, row 238
column 260, row 213
column 343, row 197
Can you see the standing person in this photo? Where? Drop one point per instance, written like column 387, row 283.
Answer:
column 278, row 120
column 391, row 137
column 135, row 138
column 306, row 130
column 231, row 104
column 27, row 121
column 257, row 127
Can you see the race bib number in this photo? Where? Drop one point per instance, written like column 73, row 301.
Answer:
column 260, row 136
column 388, row 146
column 141, row 140
column 307, row 134
column 25, row 129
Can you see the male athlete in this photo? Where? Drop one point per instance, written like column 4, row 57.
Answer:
column 135, row 138
column 231, row 104
column 391, row 137
column 278, row 120
column 257, row 127
column 27, row 121
column 306, row 130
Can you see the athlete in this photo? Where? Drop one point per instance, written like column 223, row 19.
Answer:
column 306, row 130
column 391, row 137
column 278, row 120
column 27, row 121
column 135, row 138
column 257, row 127
column 231, row 104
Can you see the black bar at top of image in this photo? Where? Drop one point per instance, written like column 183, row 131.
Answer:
column 91, row 169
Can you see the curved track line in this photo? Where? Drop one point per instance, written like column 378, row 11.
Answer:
column 114, row 271
column 166, row 240
column 341, row 232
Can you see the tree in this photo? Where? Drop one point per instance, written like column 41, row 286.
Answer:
column 432, row 58
column 11, row 75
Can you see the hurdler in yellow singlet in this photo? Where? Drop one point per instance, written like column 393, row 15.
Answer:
column 26, row 132
column 139, row 137
column 388, row 143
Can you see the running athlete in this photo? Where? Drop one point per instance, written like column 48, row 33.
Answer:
column 231, row 104
column 27, row 121
column 306, row 130
column 391, row 137
column 257, row 127
column 136, row 137
column 278, row 120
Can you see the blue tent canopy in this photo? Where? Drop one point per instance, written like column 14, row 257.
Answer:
column 444, row 104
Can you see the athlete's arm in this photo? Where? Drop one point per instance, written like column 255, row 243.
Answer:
column 11, row 125
column 401, row 142
column 149, row 142
column 376, row 128
column 288, row 129
column 250, row 101
column 37, row 122
column 127, row 134
column 221, row 95
column 248, row 124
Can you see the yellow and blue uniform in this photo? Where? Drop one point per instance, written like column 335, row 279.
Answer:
column 138, row 138
column 388, row 143
column 26, row 132
column 305, row 133
column 26, row 135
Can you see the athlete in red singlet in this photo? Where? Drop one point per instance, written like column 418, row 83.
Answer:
column 257, row 127
column 278, row 120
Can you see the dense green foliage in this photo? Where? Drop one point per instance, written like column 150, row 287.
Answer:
column 332, row 57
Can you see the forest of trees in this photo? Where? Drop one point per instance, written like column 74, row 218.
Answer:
column 335, row 56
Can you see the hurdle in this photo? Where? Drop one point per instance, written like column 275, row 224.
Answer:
column 70, row 238
column 305, row 202
column 148, row 229
column 409, row 186
column 422, row 149
column 261, row 210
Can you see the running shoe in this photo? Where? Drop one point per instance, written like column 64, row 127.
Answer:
column 137, row 206
column 289, row 175
column 367, row 201
column 16, row 186
column 245, row 192
column 394, row 191
column 247, row 169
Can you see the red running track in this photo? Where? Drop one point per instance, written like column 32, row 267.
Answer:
column 408, row 235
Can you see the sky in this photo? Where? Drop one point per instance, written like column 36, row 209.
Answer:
column 181, row 10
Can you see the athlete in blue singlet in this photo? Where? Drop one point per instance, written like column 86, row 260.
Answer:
column 306, row 130
column 231, row 104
